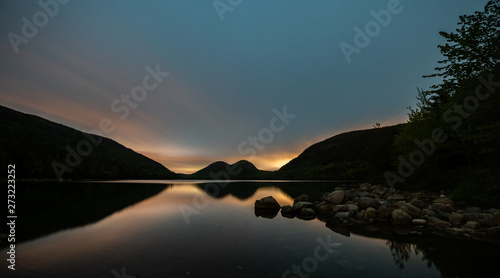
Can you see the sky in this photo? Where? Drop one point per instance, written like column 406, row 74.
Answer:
column 188, row 82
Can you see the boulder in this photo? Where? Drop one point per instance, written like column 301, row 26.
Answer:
column 366, row 202
column 457, row 219
column 341, row 208
column 267, row 203
column 301, row 198
column 325, row 209
column 485, row 219
column 307, row 213
column 287, row 209
column 399, row 216
column 383, row 214
column 412, row 210
column 444, row 201
column 342, row 215
column 300, row 205
column 497, row 218
column 439, row 207
column 418, row 203
column 370, row 213
column 334, row 198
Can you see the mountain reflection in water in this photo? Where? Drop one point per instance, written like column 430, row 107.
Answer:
column 90, row 229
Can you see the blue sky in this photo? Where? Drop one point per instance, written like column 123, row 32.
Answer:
column 225, row 76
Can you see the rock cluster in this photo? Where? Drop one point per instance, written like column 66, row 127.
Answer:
column 369, row 204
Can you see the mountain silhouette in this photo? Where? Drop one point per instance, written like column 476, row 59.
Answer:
column 41, row 149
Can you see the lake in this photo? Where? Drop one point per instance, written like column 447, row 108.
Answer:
column 199, row 229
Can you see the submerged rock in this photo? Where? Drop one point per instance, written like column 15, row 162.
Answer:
column 335, row 198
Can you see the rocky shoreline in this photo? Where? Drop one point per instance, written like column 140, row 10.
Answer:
column 416, row 213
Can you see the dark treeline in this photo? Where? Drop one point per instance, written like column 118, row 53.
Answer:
column 452, row 138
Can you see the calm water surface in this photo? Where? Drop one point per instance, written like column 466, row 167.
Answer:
column 183, row 231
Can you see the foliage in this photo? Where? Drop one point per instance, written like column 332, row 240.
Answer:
column 465, row 105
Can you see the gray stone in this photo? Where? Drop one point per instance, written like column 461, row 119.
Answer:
column 335, row 198
column 366, row 202
column 342, row 215
column 267, row 203
column 341, row 208
column 399, row 216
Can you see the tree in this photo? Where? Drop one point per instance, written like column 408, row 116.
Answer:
column 470, row 120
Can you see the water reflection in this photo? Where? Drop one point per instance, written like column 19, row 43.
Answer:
column 95, row 228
